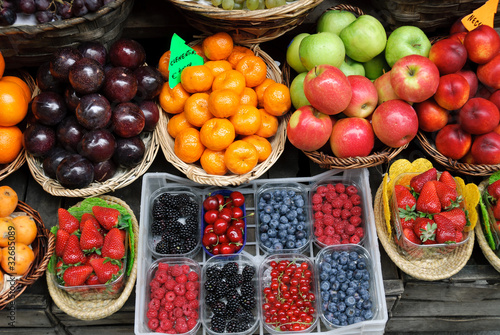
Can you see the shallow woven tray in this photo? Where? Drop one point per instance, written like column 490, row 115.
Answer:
column 97, row 309
column 32, row 45
column 481, row 239
column 246, row 26
column 429, row 270
column 450, row 164
column 43, row 248
column 195, row 171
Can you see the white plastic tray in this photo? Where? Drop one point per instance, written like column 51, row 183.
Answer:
column 153, row 181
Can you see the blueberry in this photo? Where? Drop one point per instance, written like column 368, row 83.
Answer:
column 325, row 295
column 287, row 201
column 352, row 266
column 334, row 297
column 291, row 215
column 326, row 266
column 266, row 196
column 268, row 244
column 342, row 295
column 350, row 320
column 299, row 244
column 367, row 304
column 283, row 219
column 344, row 323
column 357, row 275
column 366, row 275
column 357, row 312
column 272, row 232
column 300, row 227
column 353, row 255
column 365, row 284
column 335, row 255
column 350, row 301
column 343, row 260
column 304, row 241
column 335, row 322
column 341, row 277
column 264, row 237
column 275, row 216
column 335, row 285
column 290, row 244
column 357, row 319
column 264, row 228
column 348, row 274
column 268, row 209
column 294, row 223
column 274, row 224
column 329, row 317
column 353, row 283
column 260, row 206
column 359, row 304
column 300, row 210
column 368, row 314
column 333, row 272
column 300, row 202
column 332, row 307
column 356, row 296
column 336, row 314
column 266, row 218
column 341, row 306
column 350, row 292
column 282, row 234
column 344, row 286
column 299, row 234
column 361, row 264
column 342, row 317
column 278, row 246
column 325, row 286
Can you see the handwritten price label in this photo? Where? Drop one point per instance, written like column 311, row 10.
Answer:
column 181, row 57
column 483, row 15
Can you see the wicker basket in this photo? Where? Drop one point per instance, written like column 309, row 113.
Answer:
column 32, row 45
column 427, row 15
column 195, row 171
column 43, row 248
column 481, row 238
column 245, row 26
column 97, row 309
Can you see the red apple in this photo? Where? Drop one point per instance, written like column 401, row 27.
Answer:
column 483, row 91
column 458, row 27
column 489, row 73
column 452, row 92
column 384, row 88
column 308, row 129
column 453, row 142
column 468, row 159
column 459, row 37
column 327, row 89
column 352, row 137
column 478, row 116
column 482, row 44
column 495, row 98
column 414, row 78
column 486, row 149
column 449, row 55
column 431, row 116
column 395, row 123
column 471, row 79
column 364, row 97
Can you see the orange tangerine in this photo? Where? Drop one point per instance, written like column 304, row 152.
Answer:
column 268, row 124
column 218, row 46
column 21, row 83
column 241, row 157
column 264, row 148
column 26, row 229
column 246, row 120
column 163, row 64
column 253, row 68
column 248, row 97
column 218, row 66
column 197, row 78
column 8, row 200
column 172, row 100
column 223, row 103
column 217, row 134
column 277, row 99
column 22, row 259
column 259, row 90
column 11, row 144
column 213, row 162
column 13, row 104
column 196, row 109
column 188, row 146
column 237, row 54
column 231, row 79
column 177, row 123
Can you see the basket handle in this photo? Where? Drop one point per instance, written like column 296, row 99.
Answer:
column 356, row 10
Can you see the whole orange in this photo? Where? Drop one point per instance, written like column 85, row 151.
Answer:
column 8, row 200
column 264, row 148
column 246, row 120
column 213, row 162
column 188, row 146
column 21, row 255
column 241, row 157
column 276, row 99
column 7, row 229
column 218, row 46
column 268, row 124
column 13, row 104
column 177, row 123
column 26, row 229
column 11, row 143
column 217, row 134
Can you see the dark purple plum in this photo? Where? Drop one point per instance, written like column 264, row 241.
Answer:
column 129, row 152
column 127, row 53
column 120, row 85
column 127, row 120
column 86, row 76
column 46, row 81
column 93, row 5
column 49, row 108
column 39, row 140
column 95, row 50
column 52, row 161
column 149, row 82
column 97, row 145
column 94, row 111
column 75, row 171
column 61, row 62
column 151, row 113
column 71, row 98
column 104, row 170
column 69, row 133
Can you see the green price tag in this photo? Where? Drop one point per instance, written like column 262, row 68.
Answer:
column 181, row 57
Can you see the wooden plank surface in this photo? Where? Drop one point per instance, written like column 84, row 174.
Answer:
column 450, row 292
column 443, row 325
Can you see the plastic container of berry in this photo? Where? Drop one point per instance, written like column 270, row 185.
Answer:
column 346, row 286
column 174, row 221
column 238, row 290
column 282, row 217
column 338, row 211
column 182, row 291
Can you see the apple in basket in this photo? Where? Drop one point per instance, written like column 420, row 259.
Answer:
column 489, row 73
column 308, row 129
column 364, row 97
column 350, row 67
column 334, row 21
column 449, row 55
column 471, row 79
column 351, row 137
column 486, row 149
column 431, row 116
column 482, row 44
column 452, row 92
column 395, row 123
column 453, row 142
column 404, row 41
column 321, row 48
column 478, row 116
column 384, row 88
column 297, row 91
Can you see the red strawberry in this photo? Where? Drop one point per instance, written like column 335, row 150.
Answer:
column 494, row 189
column 91, row 257
column 76, row 275
column 445, row 232
column 89, row 216
column 457, row 216
column 93, row 280
column 107, row 217
column 105, row 269
column 67, row 221
column 72, row 253
column 459, row 236
column 60, row 267
column 496, row 210
column 404, row 198
column 418, row 182
column 91, row 239
column 428, row 201
column 410, row 235
column 448, row 180
column 62, row 237
column 447, row 195
column 425, row 229
column 114, row 246
column 407, row 223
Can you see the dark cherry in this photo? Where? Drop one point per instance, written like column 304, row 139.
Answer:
column 46, row 81
column 239, row 224
column 149, row 82
column 209, row 239
column 220, row 226
column 71, row 98
column 227, row 248
column 238, row 198
column 61, row 62
column 104, row 170
column 129, row 152
column 210, row 202
column 225, row 214
column 49, row 108
column 94, row 111
column 86, row 76
column 97, row 145
column 120, row 85
column 234, row 234
column 39, row 139
column 70, row 133
column 211, row 216
column 52, row 161
column 127, row 120
column 127, row 53
column 94, row 50
column 74, row 172
column 208, row 229
column 151, row 112
column 223, row 238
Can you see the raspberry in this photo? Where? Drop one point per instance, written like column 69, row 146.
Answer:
column 356, row 199
column 354, row 239
column 169, row 306
column 329, row 231
column 344, row 242
column 175, row 270
column 351, row 189
column 194, row 314
column 178, row 312
column 318, row 232
column 330, row 196
column 326, row 208
column 339, row 227
column 170, row 284
column 181, row 327
column 153, row 324
column 163, row 266
column 346, row 214
column 359, row 232
column 328, row 220
column 166, row 324
column 191, row 295
column 356, row 210
column 344, row 236
column 171, row 331
column 322, row 239
column 318, row 214
column 321, row 189
column 154, row 285
column 159, row 293
column 163, row 301
column 336, row 239
column 348, row 204
column 337, row 203
column 180, row 289
column 339, row 188
column 181, row 279
column 152, row 314
column 317, row 199
column 328, row 241
column 186, row 269
column 344, row 196
column 161, row 276
column 192, row 276
column 337, row 220
column 336, row 212
column 191, row 323
column 355, row 221
column 154, row 304
column 186, row 309
column 194, row 304
column 330, row 187
column 170, row 296
column 190, row 286
column 163, row 315
column 317, row 207
column 179, row 301
column 319, row 223
column 349, row 229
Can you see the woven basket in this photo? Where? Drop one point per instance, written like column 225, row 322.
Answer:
column 245, row 26
column 427, row 269
column 195, row 171
column 97, row 309
column 427, row 15
column 32, row 45
column 43, row 248
column 481, row 239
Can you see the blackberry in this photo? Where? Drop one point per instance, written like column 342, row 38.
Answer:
column 173, row 226
column 218, row 324
column 183, row 199
column 162, row 247
column 246, row 316
column 166, row 199
column 172, row 213
column 229, row 269
column 234, row 281
column 221, row 289
column 233, row 303
column 231, row 291
column 247, row 289
column 190, row 243
column 234, row 326
column 213, row 272
column 192, row 222
column 177, row 247
column 186, row 230
column 219, row 308
column 189, row 209
column 159, row 211
column 211, row 285
column 247, row 303
column 248, row 272
column 158, row 226
column 211, row 299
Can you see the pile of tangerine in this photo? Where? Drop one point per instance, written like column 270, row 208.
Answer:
column 225, row 110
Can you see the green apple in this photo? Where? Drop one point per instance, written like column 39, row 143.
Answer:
column 334, row 21
column 292, row 53
column 297, row 91
column 321, row 48
column 364, row 38
column 376, row 67
column 404, row 41
column 351, row 67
